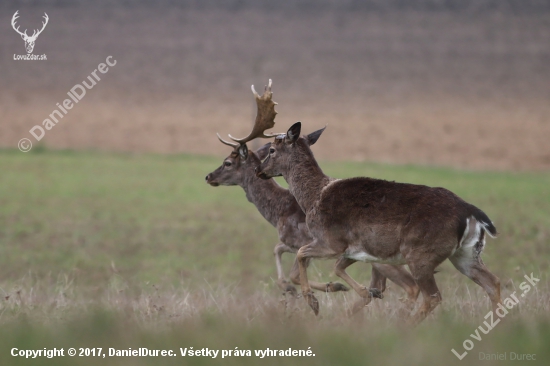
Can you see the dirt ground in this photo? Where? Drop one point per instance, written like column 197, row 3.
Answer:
column 467, row 90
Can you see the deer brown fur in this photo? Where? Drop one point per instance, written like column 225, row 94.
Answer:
column 280, row 209
column 379, row 221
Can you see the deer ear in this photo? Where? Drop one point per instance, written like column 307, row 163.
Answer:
column 263, row 151
column 243, row 151
column 294, row 131
column 314, row 136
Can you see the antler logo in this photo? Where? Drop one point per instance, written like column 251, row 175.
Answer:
column 29, row 40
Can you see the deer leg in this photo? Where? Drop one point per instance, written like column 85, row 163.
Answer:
column 366, row 293
column 488, row 281
column 424, row 276
column 398, row 275
column 377, row 280
column 326, row 287
column 340, row 270
column 283, row 284
column 473, row 267
column 467, row 259
column 311, row 250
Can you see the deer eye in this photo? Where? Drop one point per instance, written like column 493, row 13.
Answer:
column 271, row 150
column 227, row 163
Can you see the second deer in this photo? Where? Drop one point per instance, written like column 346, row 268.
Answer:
column 373, row 220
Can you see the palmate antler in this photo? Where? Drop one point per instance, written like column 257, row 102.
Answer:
column 265, row 118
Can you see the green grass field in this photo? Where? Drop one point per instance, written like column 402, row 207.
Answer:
column 128, row 251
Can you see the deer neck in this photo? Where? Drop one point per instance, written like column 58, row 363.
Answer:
column 306, row 180
column 270, row 198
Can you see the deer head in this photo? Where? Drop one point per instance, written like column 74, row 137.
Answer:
column 286, row 149
column 232, row 171
column 29, row 40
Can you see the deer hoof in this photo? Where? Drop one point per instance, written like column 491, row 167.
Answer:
column 287, row 287
column 312, row 302
column 375, row 293
column 335, row 287
column 291, row 290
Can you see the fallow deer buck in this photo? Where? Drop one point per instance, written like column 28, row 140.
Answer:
column 280, row 209
column 374, row 220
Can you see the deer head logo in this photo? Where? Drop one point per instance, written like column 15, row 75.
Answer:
column 29, row 40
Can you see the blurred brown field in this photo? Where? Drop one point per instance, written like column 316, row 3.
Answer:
column 467, row 89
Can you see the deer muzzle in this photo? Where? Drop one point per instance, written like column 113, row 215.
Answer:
column 210, row 181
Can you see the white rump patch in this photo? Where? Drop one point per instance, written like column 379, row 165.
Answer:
column 469, row 250
column 471, row 233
